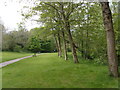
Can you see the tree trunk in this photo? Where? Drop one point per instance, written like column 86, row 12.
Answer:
column 86, row 46
column 59, row 45
column 112, row 58
column 82, row 46
column 64, row 44
column 67, row 27
column 56, row 44
column 81, row 43
column 87, row 56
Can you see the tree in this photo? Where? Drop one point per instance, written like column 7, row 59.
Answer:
column 2, row 31
column 45, row 41
column 64, row 10
column 116, row 21
column 34, row 45
column 64, row 45
column 52, row 23
column 111, row 51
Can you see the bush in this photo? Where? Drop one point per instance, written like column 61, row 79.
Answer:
column 17, row 48
column 101, row 60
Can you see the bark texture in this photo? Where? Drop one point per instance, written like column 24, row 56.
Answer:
column 59, row 46
column 66, row 22
column 75, row 58
column 65, row 47
column 111, row 51
column 56, row 44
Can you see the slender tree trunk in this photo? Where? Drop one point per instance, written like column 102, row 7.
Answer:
column 118, row 36
column 59, row 45
column 87, row 46
column 87, row 39
column 75, row 58
column 82, row 47
column 111, row 51
column 64, row 44
column 67, row 27
column 56, row 44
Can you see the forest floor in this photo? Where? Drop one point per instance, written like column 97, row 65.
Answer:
column 49, row 71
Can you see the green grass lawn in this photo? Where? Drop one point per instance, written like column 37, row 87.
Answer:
column 49, row 71
column 6, row 56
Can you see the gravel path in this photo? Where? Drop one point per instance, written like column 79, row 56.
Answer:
column 12, row 61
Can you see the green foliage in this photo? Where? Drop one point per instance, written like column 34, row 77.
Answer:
column 101, row 61
column 17, row 48
column 86, row 24
column 15, row 40
column 38, row 45
column 34, row 45
column 89, row 33
column 116, row 22
column 45, row 46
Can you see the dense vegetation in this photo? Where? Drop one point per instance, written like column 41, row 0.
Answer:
column 26, row 41
column 88, row 29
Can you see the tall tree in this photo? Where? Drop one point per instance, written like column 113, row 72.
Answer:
column 63, row 10
column 66, row 19
column 64, row 45
column 59, row 45
column 111, row 51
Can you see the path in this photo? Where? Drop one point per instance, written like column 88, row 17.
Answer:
column 12, row 61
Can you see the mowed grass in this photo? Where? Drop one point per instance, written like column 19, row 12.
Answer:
column 49, row 71
column 6, row 56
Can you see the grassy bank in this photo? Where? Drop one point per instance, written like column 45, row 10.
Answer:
column 49, row 71
column 6, row 56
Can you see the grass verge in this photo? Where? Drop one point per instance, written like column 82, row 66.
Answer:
column 49, row 71
column 6, row 56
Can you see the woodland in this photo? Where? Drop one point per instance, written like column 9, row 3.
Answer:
column 89, row 31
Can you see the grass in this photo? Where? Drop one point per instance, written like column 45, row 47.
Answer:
column 6, row 56
column 49, row 71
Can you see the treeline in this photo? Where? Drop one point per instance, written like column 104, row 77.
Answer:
column 22, row 41
column 87, row 28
